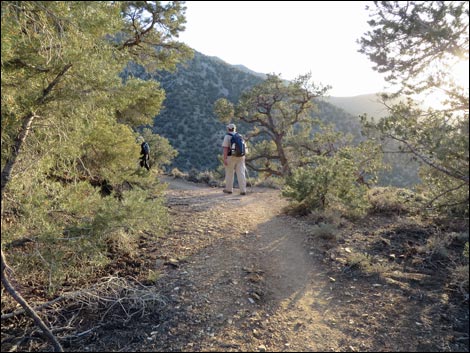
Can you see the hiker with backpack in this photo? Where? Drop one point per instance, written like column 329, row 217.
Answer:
column 145, row 152
column 234, row 150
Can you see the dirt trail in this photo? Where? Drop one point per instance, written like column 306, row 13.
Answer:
column 252, row 285
column 238, row 275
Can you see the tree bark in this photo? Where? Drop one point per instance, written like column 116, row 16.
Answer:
column 6, row 175
column 27, row 122
column 17, row 296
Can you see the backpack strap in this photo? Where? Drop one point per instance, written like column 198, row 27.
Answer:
column 230, row 147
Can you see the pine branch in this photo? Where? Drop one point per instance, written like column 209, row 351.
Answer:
column 429, row 162
column 6, row 174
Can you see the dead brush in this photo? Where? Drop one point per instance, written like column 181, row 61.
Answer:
column 113, row 300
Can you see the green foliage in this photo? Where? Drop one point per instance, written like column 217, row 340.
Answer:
column 278, row 114
column 188, row 120
column 224, row 110
column 417, row 44
column 81, row 232
column 401, row 169
column 336, row 181
column 132, row 213
column 137, row 101
column 68, row 121
column 161, row 152
column 153, row 25
column 58, row 225
column 392, row 200
column 107, row 157
column 446, row 195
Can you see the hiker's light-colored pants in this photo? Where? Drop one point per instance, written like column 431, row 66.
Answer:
column 235, row 165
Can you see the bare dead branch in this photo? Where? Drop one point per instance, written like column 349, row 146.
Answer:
column 113, row 296
column 5, row 177
column 429, row 162
column 445, row 193
column 21, row 63
column 19, row 299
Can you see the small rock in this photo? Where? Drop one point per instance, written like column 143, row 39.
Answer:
column 262, row 348
column 172, row 262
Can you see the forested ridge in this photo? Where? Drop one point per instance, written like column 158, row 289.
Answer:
column 189, row 123
column 93, row 242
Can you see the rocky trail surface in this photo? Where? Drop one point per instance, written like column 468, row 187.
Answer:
column 236, row 274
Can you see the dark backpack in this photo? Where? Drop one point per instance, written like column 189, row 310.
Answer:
column 237, row 144
column 145, row 148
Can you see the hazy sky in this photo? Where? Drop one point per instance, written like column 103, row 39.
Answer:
column 288, row 38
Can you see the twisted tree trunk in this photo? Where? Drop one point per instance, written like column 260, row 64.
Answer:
column 5, row 178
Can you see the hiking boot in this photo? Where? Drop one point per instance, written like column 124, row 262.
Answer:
column 227, row 192
column 243, row 193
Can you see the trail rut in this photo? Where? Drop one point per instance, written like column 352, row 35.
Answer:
column 237, row 274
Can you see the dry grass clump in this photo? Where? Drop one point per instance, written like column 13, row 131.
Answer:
column 390, row 200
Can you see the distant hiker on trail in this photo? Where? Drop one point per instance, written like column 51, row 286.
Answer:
column 234, row 159
column 144, row 151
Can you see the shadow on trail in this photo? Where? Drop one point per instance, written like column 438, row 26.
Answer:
column 267, row 288
column 250, row 281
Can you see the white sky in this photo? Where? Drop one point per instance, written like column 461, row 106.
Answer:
column 288, row 38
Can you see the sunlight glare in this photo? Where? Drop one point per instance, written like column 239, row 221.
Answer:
column 460, row 73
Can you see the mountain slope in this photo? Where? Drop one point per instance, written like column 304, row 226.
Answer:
column 192, row 128
column 358, row 105
column 189, row 122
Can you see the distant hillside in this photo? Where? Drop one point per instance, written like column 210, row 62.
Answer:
column 188, row 120
column 192, row 128
column 247, row 70
column 358, row 105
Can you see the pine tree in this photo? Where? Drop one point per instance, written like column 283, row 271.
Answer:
column 276, row 112
column 320, row 166
column 417, row 44
column 68, row 122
